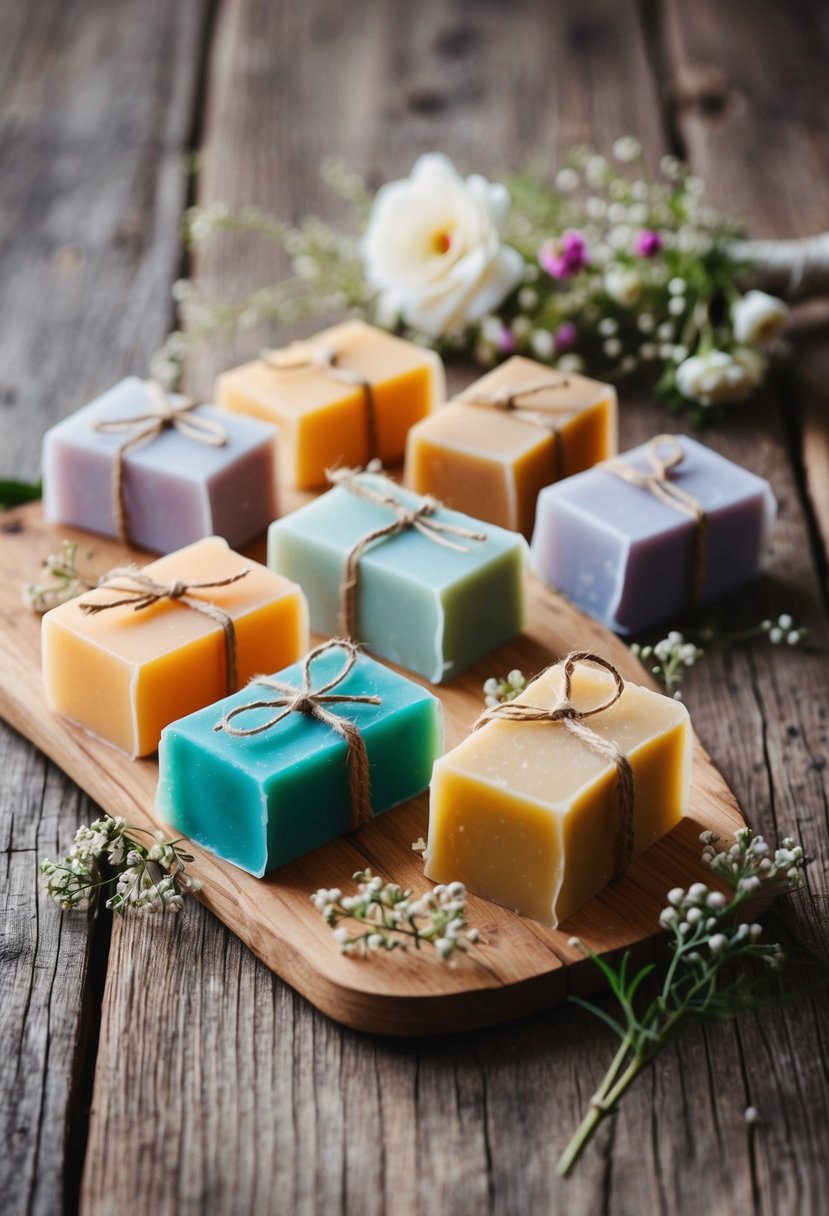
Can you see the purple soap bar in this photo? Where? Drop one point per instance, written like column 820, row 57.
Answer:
column 176, row 489
column 627, row 558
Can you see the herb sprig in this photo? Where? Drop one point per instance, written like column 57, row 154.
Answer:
column 707, row 978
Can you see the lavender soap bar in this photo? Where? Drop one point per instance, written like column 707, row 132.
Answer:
column 186, row 474
column 431, row 590
column 260, row 779
column 635, row 541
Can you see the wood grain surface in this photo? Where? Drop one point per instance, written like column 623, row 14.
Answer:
column 213, row 1087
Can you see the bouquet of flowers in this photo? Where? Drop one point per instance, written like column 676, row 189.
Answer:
column 607, row 270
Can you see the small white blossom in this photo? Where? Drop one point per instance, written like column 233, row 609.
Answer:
column 622, row 285
column 713, row 377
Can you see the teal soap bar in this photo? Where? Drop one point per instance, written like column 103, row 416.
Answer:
column 263, row 799
column 421, row 604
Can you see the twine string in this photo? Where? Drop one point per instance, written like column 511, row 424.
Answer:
column 420, row 518
column 565, row 711
column 145, row 591
column 664, row 454
column 312, row 703
column 508, row 398
column 162, row 416
column 302, row 355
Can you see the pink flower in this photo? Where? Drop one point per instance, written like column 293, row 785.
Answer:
column 565, row 258
column 648, row 243
column 565, row 336
column 506, row 341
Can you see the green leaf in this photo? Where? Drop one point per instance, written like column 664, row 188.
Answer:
column 13, row 493
column 598, row 1012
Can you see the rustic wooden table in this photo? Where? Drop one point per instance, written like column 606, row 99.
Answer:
column 160, row 1068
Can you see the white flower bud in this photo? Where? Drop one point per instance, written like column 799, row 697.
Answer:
column 718, row 944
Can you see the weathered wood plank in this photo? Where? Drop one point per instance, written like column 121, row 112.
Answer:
column 96, row 102
column 330, row 1120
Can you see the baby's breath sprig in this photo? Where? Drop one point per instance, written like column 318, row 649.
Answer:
column 146, row 878
column 392, row 919
column 707, row 978
column 497, row 691
column 69, row 579
column 674, row 655
column 677, row 653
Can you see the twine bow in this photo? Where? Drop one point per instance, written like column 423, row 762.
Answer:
column 657, row 482
column 312, row 703
column 163, row 416
column 508, row 398
column 420, row 517
column 145, row 592
column 301, row 355
column 573, row 719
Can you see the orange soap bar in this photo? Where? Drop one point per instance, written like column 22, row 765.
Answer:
column 324, row 414
column 124, row 674
column 491, row 458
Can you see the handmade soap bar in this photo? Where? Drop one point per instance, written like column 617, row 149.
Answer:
column 261, row 799
column 434, row 593
column 522, row 426
column 527, row 813
column 634, row 554
column 347, row 395
column 124, row 672
column 211, row 473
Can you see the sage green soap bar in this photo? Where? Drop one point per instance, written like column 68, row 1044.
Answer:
column 426, row 607
column 261, row 800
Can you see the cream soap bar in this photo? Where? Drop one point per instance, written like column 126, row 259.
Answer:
column 262, row 799
column 212, row 474
column 434, row 598
column 519, row 428
column 527, row 814
column 346, row 396
column 124, row 672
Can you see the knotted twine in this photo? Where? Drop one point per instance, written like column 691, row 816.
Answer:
column 146, row 591
column 573, row 719
column 657, row 482
column 302, row 355
column 163, row 416
column 420, row 517
column 312, row 702
column 508, row 398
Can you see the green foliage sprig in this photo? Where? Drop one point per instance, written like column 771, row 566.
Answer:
column 713, row 974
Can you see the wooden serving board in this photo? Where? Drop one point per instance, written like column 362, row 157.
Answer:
column 518, row 968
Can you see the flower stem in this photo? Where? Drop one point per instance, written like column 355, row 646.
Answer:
column 602, row 1104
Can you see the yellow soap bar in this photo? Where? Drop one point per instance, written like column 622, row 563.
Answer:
column 492, row 462
column 124, row 674
column 526, row 813
column 323, row 418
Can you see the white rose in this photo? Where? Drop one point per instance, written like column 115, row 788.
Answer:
column 623, row 286
column 758, row 317
column 714, row 377
column 432, row 248
column 753, row 362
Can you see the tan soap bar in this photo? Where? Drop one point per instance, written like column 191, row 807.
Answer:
column 124, row 674
column 323, row 413
column 526, row 813
column 491, row 462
